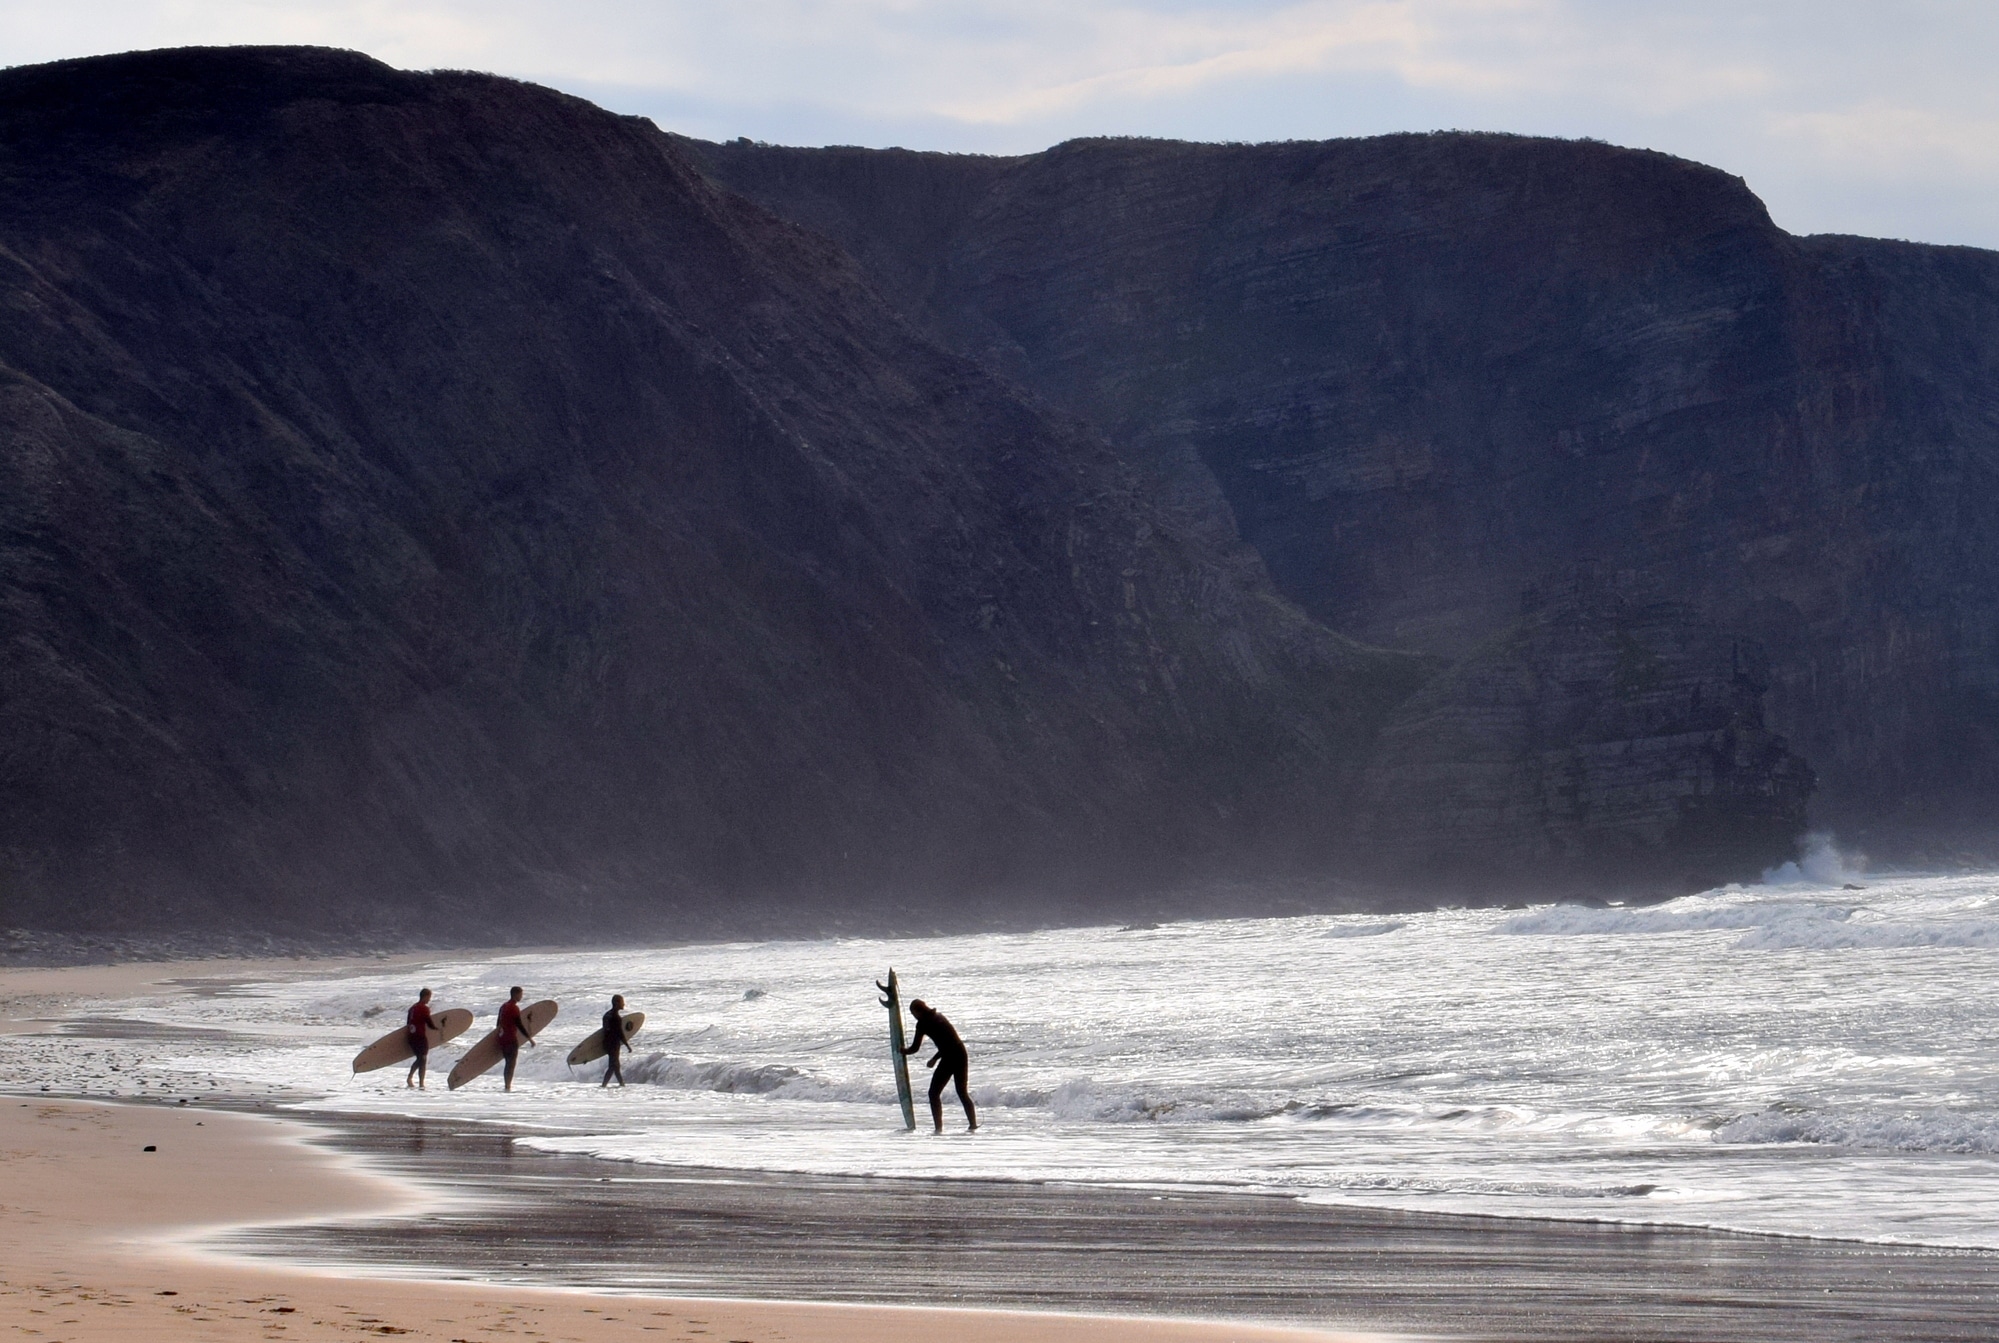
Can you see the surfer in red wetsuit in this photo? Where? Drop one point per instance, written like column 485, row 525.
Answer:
column 512, row 1031
column 951, row 1064
column 418, row 1025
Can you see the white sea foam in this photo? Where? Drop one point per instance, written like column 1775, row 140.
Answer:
column 1820, row 862
column 1934, row 1131
column 1693, row 914
column 1364, row 929
column 1873, row 933
column 1787, row 1057
column 1085, row 1099
column 745, row 1079
column 1764, row 924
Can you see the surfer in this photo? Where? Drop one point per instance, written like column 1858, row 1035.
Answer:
column 614, row 1039
column 418, row 1024
column 512, row 1031
column 951, row 1064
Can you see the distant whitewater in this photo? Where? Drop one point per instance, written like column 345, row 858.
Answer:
column 1796, row 1057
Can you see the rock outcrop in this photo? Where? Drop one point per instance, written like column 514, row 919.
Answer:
column 1593, row 740
column 427, row 502
column 1445, row 382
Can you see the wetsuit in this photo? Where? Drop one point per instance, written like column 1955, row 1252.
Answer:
column 511, row 1030
column 952, row 1064
column 614, row 1042
column 417, row 1026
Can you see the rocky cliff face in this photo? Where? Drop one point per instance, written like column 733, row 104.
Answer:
column 427, row 497
column 1550, row 411
column 1592, row 740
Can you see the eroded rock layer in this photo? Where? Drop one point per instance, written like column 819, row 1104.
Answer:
column 1445, row 383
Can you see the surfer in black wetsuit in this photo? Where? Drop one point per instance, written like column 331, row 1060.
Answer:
column 951, row 1063
column 614, row 1039
column 417, row 1025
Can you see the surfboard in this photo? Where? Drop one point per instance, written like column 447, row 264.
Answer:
column 893, row 1002
column 481, row 1058
column 394, row 1047
column 593, row 1046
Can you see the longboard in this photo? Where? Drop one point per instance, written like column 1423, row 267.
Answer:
column 893, row 1002
column 593, row 1046
column 481, row 1057
column 394, row 1047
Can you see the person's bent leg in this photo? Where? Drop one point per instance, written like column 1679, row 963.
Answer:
column 959, row 1075
column 421, row 1067
column 937, row 1080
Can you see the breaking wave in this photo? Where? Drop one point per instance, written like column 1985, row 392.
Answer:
column 1766, row 925
column 1365, row 929
column 1937, row 1131
column 1084, row 1099
column 1820, row 862
column 1761, row 915
column 1875, row 934
column 736, row 1078
column 1078, row 1099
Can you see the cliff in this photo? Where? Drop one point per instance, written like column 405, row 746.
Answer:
column 1542, row 409
column 427, row 503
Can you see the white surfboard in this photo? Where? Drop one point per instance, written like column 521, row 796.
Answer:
column 892, row 999
column 593, row 1046
column 482, row 1057
column 394, row 1047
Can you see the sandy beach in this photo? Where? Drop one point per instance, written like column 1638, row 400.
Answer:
column 101, row 1202
column 102, row 1206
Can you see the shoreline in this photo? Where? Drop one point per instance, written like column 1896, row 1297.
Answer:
column 79, row 1182
column 569, row 1229
column 1382, row 1275
column 27, row 990
column 105, row 1239
column 326, row 1124
column 330, row 1121
column 1014, row 1246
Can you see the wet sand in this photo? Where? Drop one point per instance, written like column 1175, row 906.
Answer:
column 562, row 1220
column 101, row 1239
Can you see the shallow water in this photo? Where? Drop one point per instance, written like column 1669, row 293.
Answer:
column 1788, row 1058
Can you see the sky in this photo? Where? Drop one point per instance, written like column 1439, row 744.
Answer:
column 1875, row 117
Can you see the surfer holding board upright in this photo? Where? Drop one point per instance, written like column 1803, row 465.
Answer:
column 512, row 1030
column 952, row 1062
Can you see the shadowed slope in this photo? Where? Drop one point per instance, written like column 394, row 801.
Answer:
column 429, row 488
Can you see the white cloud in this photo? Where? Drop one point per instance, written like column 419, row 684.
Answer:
column 1139, row 55
column 1879, row 138
column 1846, row 114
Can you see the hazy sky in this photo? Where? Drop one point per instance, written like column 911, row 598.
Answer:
column 1854, row 116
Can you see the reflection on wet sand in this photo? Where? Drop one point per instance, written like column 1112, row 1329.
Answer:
column 559, row 1220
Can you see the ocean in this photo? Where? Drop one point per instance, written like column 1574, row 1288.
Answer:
column 1796, row 1057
